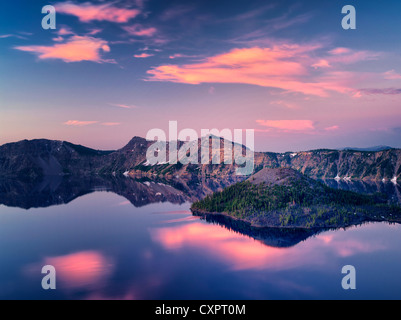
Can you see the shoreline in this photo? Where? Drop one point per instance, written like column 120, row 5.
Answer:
column 202, row 213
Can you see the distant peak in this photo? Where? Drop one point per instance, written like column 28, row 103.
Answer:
column 369, row 149
column 134, row 142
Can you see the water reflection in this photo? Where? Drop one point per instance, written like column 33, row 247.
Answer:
column 239, row 252
column 56, row 190
column 274, row 237
column 84, row 270
column 105, row 248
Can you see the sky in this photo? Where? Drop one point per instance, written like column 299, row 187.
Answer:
column 287, row 69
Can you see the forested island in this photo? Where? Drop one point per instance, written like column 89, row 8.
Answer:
column 285, row 198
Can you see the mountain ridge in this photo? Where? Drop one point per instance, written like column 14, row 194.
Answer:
column 32, row 159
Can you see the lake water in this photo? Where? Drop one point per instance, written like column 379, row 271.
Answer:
column 105, row 247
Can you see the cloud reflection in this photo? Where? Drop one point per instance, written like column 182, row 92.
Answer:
column 82, row 270
column 241, row 252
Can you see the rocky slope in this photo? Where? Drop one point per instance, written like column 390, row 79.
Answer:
column 37, row 158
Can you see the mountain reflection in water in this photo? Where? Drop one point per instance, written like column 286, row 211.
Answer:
column 61, row 190
column 120, row 238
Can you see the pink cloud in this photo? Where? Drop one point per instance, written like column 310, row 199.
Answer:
column 392, row 75
column 110, row 124
column 78, row 123
column 321, row 64
column 76, row 49
column 277, row 67
column 285, row 104
column 288, row 125
column 124, row 106
column 348, row 56
column 58, row 39
column 94, row 32
column 285, row 66
column 332, row 128
column 140, row 31
column 179, row 55
column 339, row 51
column 64, row 31
column 87, row 12
column 175, row 56
column 290, row 67
column 143, row 55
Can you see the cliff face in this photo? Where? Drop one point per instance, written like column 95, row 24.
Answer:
column 329, row 164
column 38, row 158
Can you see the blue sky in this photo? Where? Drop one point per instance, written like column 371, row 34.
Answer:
column 113, row 70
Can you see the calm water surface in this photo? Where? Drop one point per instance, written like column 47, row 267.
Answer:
column 103, row 247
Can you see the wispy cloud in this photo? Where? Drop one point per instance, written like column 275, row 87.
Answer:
column 110, row 124
column 140, row 31
column 75, row 49
column 64, row 31
column 286, row 104
column 58, row 39
column 323, row 63
column 385, row 91
column 176, row 12
column 94, row 32
column 143, row 55
column 252, row 14
column 332, row 128
column 123, row 106
column 298, row 68
column 180, row 55
column 78, row 123
column 288, row 125
column 87, row 12
column 348, row 56
column 286, row 21
column 282, row 66
column 392, row 75
column 5, row 36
